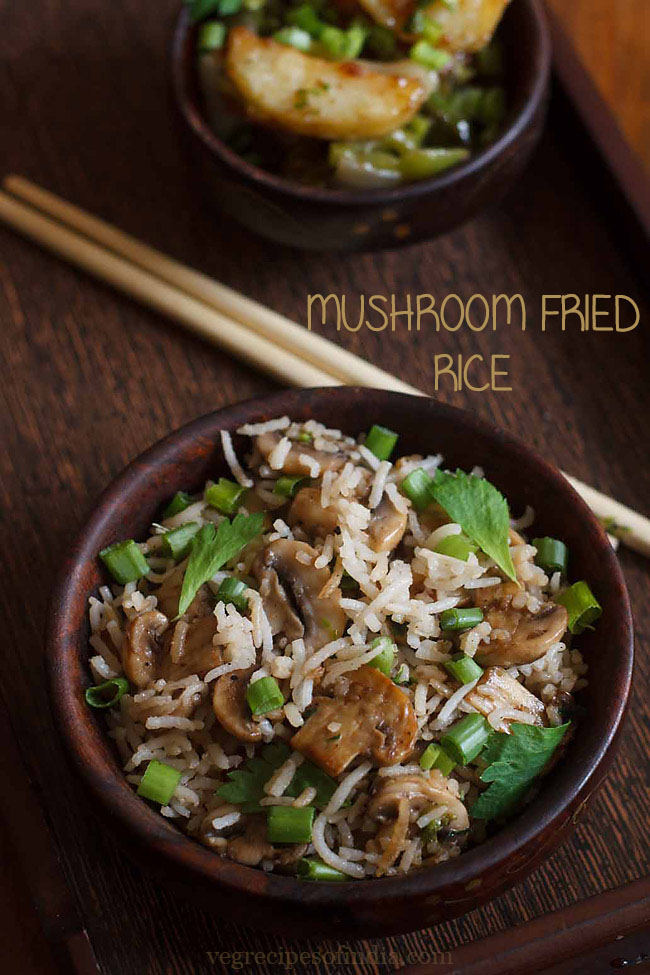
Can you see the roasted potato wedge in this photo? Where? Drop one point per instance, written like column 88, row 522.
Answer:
column 467, row 25
column 283, row 87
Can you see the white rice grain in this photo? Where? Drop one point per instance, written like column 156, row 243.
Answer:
column 231, row 459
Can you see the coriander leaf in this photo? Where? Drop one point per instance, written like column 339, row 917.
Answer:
column 514, row 761
column 212, row 548
column 246, row 784
column 480, row 510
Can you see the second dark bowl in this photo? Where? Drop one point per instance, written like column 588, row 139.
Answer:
column 374, row 908
column 338, row 219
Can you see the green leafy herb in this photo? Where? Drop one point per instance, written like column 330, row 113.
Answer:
column 214, row 547
column 480, row 510
column 514, row 761
column 245, row 786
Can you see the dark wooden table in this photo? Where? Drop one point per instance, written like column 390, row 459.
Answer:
column 90, row 380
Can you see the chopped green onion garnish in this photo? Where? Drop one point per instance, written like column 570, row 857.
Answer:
column 422, row 24
column 465, row 740
column 313, row 869
column 463, row 668
column 431, row 57
column 232, row 591
column 434, row 756
column 178, row 503
column 107, row 695
column 552, row 554
column 431, row 830
column 305, row 437
column 307, row 19
column 125, row 561
column 264, row 695
column 226, row 496
column 582, row 606
column 403, row 675
column 211, row 36
column 417, row 487
column 289, row 824
column 293, row 37
column 228, row 7
column 461, row 619
column 425, row 163
column 287, row 487
column 159, row 782
column 385, row 654
column 381, row 441
column 343, row 44
column 178, row 541
column 456, row 546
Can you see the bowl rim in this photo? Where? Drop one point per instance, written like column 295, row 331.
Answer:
column 186, row 103
column 85, row 735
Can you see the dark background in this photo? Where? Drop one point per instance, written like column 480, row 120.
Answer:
column 91, row 379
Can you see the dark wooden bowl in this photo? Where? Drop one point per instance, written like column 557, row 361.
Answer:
column 184, row 460
column 340, row 219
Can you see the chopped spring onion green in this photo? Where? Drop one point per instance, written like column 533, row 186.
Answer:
column 403, row 675
column 226, row 496
column 456, row 546
column 305, row 437
column 229, row 7
column 294, row 37
column 422, row 24
column 232, row 591
column 552, row 555
column 159, row 782
column 385, row 655
column 466, row 739
column 343, row 44
column 431, row 830
column 178, row 541
column 313, row 869
column 381, row 441
column 463, row 668
column 107, row 695
column 582, row 606
column 461, row 619
column 417, row 487
column 424, row 163
column 125, row 561
column 289, row 824
column 287, row 487
column 431, row 57
column 434, row 756
column 178, row 503
column 211, row 36
column 307, row 19
column 264, row 695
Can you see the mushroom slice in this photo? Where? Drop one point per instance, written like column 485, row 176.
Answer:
column 497, row 690
column 420, row 792
column 252, row 846
column 519, row 636
column 285, row 88
column 193, row 651
column 230, row 706
column 467, row 25
column 266, row 442
column 291, row 591
column 306, row 510
column 387, row 526
column 376, row 719
column 142, row 646
column 169, row 594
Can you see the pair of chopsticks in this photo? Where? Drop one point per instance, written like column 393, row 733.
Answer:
column 245, row 328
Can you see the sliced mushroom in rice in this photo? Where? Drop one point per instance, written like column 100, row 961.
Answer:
column 190, row 650
column 519, row 636
column 374, row 718
column 387, row 526
column 497, row 690
column 290, row 589
column 420, row 792
column 142, row 648
column 231, row 708
column 267, row 442
column 306, row 510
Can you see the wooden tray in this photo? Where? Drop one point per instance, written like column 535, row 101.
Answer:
column 92, row 379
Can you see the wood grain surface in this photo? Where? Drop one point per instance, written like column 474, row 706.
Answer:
column 90, row 379
column 612, row 40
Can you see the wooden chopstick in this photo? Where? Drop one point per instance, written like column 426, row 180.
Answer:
column 308, row 346
column 261, row 337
